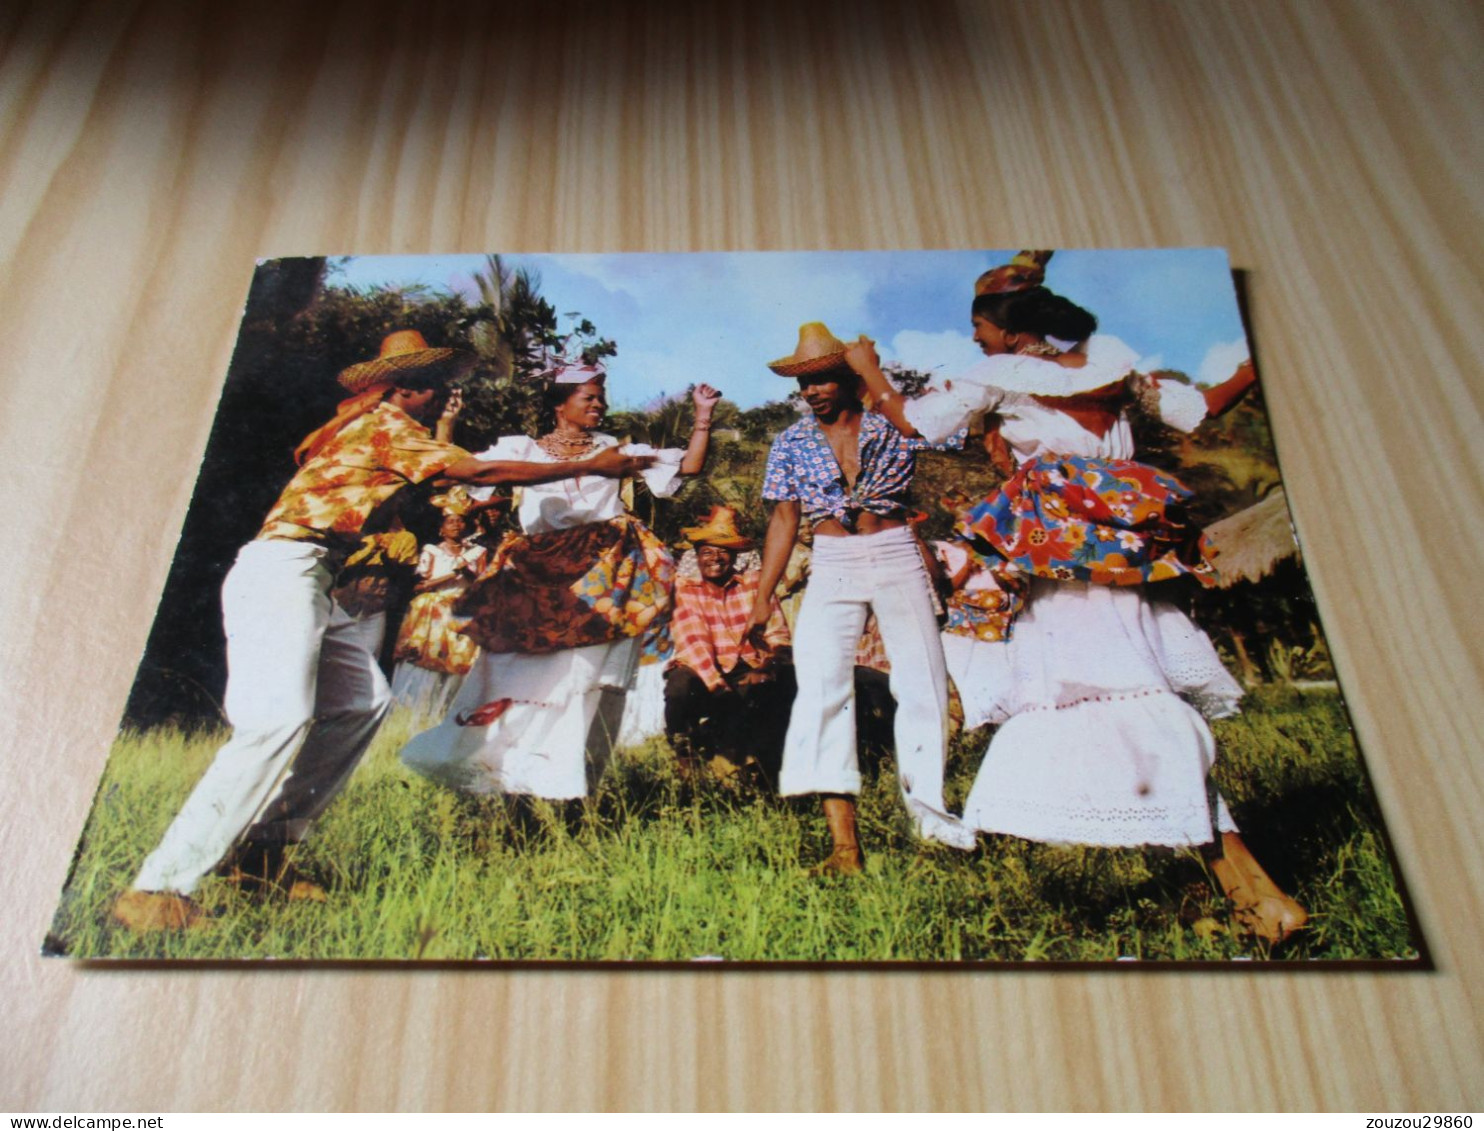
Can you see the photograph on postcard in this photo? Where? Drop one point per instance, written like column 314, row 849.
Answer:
column 799, row 607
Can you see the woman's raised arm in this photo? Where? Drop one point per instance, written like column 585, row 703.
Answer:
column 862, row 357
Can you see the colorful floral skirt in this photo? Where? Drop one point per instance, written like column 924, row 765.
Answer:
column 1111, row 522
column 431, row 636
column 984, row 615
column 591, row 584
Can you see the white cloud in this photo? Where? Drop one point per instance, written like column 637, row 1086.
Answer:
column 1221, row 361
column 948, row 352
column 717, row 319
column 1151, row 363
column 608, row 271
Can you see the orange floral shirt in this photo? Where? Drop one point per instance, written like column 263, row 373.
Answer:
column 371, row 459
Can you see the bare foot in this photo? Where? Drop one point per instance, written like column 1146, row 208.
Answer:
column 1259, row 907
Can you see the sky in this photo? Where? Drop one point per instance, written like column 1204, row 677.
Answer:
column 719, row 318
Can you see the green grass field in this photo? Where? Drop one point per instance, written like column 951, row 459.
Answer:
column 655, row 869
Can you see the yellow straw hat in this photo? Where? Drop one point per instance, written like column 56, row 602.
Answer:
column 818, row 351
column 402, row 352
column 718, row 529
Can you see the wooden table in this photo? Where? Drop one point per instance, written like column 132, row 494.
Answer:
column 152, row 150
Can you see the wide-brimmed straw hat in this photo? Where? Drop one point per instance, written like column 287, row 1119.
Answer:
column 403, row 352
column 1025, row 270
column 718, row 529
column 818, row 351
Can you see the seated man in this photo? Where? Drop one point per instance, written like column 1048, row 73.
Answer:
column 726, row 700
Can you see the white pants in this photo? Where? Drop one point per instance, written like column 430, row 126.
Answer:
column 304, row 697
column 849, row 578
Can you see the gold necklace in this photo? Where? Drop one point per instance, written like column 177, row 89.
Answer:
column 1039, row 349
column 562, row 447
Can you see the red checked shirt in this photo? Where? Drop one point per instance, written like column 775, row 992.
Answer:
column 707, row 627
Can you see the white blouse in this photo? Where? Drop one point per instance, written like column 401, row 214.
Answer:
column 435, row 561
column 1008, row 384
column 566, row 503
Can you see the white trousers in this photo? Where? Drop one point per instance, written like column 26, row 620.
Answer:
column 849, row 578
column 304, row 696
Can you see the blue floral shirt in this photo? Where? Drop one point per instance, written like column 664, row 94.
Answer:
column 802, row 468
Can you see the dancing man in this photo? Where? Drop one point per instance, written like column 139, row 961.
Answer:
column 847, row 471
column 304, row 693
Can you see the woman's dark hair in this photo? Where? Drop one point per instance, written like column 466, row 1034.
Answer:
column 1037, row 311
column 553, row 396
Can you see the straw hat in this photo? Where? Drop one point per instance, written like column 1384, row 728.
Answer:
column 718, row 529
column 402, row 352
column 1024, row 271
column 818, row 351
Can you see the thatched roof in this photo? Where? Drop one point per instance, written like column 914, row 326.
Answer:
column 1253, row 541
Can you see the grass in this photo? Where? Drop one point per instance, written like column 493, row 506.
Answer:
column 652, row 868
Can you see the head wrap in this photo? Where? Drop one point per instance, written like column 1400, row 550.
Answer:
column 1026, row 270
column 575, row 373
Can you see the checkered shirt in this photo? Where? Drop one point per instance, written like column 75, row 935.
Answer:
column 707, row 626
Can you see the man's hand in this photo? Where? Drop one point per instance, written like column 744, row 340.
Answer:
column 611, row 463
column 453, row 406
column 754, row 631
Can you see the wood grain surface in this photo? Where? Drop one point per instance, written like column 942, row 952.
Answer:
column 149, row 152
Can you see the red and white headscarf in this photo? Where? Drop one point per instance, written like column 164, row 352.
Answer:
column 575, row 373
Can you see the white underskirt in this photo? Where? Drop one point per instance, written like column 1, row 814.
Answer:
column 541, row 744
column 1102, row 695
column 644, row 709
column 426, row 693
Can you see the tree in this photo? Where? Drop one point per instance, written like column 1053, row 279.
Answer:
column 299, row 330
column 514, row 333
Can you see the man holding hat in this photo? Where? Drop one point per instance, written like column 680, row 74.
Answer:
column 720, row 687
column 304, row 695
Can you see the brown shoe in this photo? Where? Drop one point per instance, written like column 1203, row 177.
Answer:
column 847, row 858
column 263, row 870
column 841, row 862
column 306, row 891
column 145, row 911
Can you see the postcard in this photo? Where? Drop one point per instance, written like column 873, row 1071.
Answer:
column 934, row 607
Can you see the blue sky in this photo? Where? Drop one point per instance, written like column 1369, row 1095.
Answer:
column 720, row 317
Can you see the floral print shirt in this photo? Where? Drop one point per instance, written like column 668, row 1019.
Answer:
column 372, row 458
column 803, row 468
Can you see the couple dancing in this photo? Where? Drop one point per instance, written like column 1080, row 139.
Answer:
column 305, row 694
column 1101, row 689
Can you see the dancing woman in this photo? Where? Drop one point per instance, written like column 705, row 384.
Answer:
column 1104, row 738
column 560, row 610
